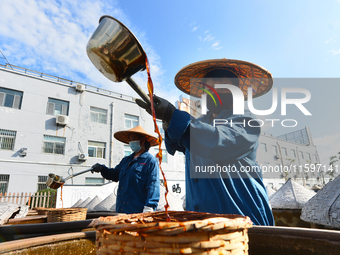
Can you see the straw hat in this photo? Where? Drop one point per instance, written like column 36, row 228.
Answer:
column 123, row 136
column 249, row 74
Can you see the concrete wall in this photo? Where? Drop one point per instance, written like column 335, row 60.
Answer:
column 31, row 123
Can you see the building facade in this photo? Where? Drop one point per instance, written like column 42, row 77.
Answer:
column 53, row 125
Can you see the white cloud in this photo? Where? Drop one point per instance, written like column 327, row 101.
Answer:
column 194, row 29
column 50, row 36
column 208, row 38
column 331, row 40
column 335, row 52
column 216, row 46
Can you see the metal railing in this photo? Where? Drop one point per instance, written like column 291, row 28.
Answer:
column 53, row 78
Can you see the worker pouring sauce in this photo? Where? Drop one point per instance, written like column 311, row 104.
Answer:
column 216, row 155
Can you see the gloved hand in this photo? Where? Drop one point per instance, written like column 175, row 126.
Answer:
column 163, row 108
column 96, row 168
column 147, row 209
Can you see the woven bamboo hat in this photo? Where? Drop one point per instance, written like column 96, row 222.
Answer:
column 249, row 74
column 123, row 136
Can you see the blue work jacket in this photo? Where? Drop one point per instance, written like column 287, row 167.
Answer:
column 138, row 182
column 233, row 146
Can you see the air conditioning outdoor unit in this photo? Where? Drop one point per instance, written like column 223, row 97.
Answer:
column 277, row 156
column 62, row 120
column 80, row 87
column 82, row 156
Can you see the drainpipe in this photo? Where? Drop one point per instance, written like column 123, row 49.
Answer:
column 111, row 135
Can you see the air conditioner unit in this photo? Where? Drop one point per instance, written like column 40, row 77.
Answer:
column 62, row 120
column 277, row 156
column 82, row 156
column 80, row 87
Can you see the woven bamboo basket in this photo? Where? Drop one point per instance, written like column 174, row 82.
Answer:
column 66, row 214
column 186, row 233
column 41, row 210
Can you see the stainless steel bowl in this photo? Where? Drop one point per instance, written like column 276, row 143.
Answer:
column 115, row 51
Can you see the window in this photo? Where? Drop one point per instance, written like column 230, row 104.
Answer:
column 94, row 181
column 164, row 155
column 308, row 156
column 42, row 182
column 127, row 150
column 274, row 148
column 10, row 98
column 98, row 115
column 7, row 139
column 131, row 121
column 181, row 157
column 160, row 127
column 316, row 158
column 55, row 107
column 54, row 144
column 301, row 154
column 4, row 180
column 284, row 151
column 293, row 153
column 264, row 147
column 96, row 149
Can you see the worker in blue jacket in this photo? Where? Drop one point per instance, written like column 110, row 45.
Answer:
column 138, row 174
column 222, row 175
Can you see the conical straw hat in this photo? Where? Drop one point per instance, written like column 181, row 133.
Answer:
column 123, row 136
column 249, row 74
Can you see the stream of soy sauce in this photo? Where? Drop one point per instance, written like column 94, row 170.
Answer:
column 159, row 140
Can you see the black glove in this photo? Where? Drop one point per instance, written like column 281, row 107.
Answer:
column 163, row 108
column 96, row 168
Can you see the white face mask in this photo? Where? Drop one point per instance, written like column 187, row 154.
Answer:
column 135, row 146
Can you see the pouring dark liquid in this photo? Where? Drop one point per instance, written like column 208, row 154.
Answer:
column 159, row 140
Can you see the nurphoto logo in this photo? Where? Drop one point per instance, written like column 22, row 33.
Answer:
column 238, row 103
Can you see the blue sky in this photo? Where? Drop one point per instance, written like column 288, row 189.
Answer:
column 292, row 39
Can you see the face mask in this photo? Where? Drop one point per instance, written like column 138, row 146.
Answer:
column 135, row 146
column 227, row 102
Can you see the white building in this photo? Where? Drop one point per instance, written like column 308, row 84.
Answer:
column 53, row 125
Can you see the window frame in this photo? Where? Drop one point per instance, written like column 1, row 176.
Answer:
column 275, row 150
column 128, row 117
column 55, row 143
column 62, row 103
column 99, row 112
column 96, row 149
column 5, row 137
column 294, row 153
column 4, row 181
column 17, row 98
column 94, row 183
column 301, row 155
column 264, row 147
column 41, row 185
